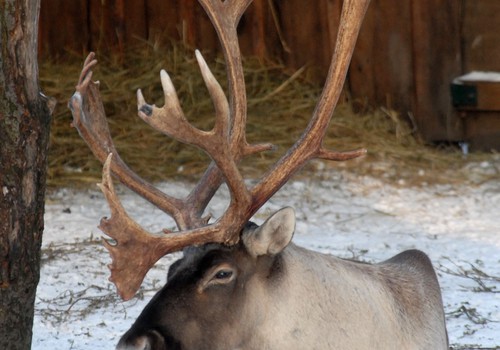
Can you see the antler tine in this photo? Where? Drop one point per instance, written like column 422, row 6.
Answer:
column 310, row 143
column 170, row 120
column 225, row 17
column 218, row 98
column 125, row 232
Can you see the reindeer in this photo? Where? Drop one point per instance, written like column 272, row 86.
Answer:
column 239, row 285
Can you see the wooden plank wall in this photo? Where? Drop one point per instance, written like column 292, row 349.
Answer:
column 268, row 29
column 102, row 25
column 407, row 53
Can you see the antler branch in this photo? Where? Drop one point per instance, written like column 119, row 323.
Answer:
column 89, row 119
column 310, row 143
column 216, row 143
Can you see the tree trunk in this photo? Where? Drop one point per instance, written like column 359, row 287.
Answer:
column 24, row 136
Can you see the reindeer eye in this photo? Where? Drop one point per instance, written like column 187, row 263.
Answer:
column 223, row 274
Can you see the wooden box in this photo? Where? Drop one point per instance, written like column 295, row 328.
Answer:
column 476, row 96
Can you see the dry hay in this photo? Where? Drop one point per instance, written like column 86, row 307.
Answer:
column 279, row 107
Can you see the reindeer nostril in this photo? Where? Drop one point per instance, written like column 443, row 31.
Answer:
column 143, row 343
column 130, row 342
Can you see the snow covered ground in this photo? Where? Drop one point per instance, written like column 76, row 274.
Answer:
column 458, row 226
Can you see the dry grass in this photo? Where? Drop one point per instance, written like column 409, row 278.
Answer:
column 279, row 107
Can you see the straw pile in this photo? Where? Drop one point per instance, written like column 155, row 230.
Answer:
column 279, row 107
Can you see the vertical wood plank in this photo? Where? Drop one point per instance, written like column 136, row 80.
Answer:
column 163, row 21
column 436, row 53
column 206, row 36
column 381, row 70
column 258, row 31
column 259, row 10
column 188, row 21
column 328, row 21
column 306, row 37
column 63, row 27
column 481, row 35
column 116, row 23
column 135, row 20
column 102, row 27
column 333, row 10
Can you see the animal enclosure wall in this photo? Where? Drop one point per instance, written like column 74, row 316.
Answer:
column 407, row 54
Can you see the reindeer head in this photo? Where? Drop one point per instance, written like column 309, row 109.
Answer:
column 215, row 293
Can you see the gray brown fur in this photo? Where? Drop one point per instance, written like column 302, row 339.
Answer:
column 291, row 299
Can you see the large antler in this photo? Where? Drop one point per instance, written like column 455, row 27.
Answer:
column 134, row 250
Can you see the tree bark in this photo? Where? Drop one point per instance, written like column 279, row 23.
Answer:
column 24, row 137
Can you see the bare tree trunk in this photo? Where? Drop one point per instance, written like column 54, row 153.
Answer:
column 24, row 136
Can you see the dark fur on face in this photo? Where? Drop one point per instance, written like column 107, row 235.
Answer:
column 204, row 295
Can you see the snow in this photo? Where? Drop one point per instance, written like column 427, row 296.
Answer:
column 478, row 76
column 338, row 212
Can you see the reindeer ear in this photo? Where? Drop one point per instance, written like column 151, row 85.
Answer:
column 273, row 235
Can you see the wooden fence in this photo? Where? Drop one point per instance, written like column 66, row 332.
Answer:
column 407, row 54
